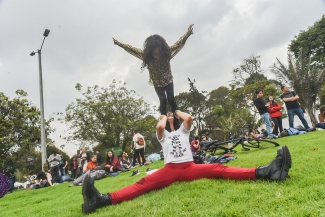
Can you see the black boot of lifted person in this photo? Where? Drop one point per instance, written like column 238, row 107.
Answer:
column 278, row 169
column 92, row 198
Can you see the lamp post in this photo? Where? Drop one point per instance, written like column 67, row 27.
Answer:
column 43, row 138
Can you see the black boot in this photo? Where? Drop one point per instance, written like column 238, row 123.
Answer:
column 92, row 198
column 278, row 169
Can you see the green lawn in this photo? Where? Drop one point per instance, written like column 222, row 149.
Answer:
column 303, row 194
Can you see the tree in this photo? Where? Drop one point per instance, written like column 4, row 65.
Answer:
column 104, row 115
column 194, row 103
column 248, row 72
column 19, row 129
column 305, row 78
column 218, row 96
column 312, row 41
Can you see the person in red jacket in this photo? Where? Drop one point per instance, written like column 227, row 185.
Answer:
column 276, row 115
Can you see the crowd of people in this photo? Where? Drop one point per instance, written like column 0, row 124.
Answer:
column 270, row 112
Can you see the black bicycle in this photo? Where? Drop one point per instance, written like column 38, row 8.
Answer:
column 227, row 147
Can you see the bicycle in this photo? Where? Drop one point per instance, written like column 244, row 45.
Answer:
column 228, row 146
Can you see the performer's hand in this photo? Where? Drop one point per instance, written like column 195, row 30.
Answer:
column 190, row 27
column 114, row 40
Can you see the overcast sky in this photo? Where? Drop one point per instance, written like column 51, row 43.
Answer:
column 79, row 48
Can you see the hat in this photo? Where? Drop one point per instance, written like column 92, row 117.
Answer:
column 284, row 133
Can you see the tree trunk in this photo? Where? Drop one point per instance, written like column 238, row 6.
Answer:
column 311, row 114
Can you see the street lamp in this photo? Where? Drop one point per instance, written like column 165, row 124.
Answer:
column 43, row 139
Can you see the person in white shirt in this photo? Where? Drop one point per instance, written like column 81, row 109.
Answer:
column 179, row 166
column 54, row 160
column 138, row 148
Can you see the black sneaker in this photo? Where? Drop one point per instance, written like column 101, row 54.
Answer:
column 148, row 170
column 135, row 172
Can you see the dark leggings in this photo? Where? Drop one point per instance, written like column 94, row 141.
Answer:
column 162, row 92
column 137, row 153
column 277, row 125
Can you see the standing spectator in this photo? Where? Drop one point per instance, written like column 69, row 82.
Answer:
column 276, row 115
column 139, row 148
column 112, row 163
column 262, row 108
column 85, row 158
column 54, row 161
column 63, row 165
column 74, row 167
column 99, row 158
column 290, row 98
column 195, row 145
column 12, row 180
column 321, row 117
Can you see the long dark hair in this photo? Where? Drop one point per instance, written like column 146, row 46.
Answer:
column 322, row 111
column 109, row 159
column 151, row 43
column 273, row 102
column 177, row 125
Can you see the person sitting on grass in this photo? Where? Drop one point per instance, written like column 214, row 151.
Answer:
column 125, row 161
column 321, row 117
column 112, row 163
column 92, row 164
column 179, row 166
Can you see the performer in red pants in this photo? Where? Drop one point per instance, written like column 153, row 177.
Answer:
column 179, row 166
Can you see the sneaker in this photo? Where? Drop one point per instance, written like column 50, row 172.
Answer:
column 71, row 185
column 80, row 184
column 135, row 172
column 148, row 169
column 311, row 129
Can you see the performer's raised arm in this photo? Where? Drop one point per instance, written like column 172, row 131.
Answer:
column 181, row 42
column 137, row 52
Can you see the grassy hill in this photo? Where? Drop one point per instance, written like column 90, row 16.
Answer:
column 303, row 194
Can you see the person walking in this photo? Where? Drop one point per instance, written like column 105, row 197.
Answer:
column 179, row 166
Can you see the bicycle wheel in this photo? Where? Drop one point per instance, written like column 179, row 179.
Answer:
column 265, row 143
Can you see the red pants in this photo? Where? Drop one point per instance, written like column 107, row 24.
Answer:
column 180, row 172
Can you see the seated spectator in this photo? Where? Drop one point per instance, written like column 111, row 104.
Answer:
column 125, row 161
column 44, row 180
column 321, row 117
column 195, row 145
column 256, row 134
column 264, row 133
column 92, row 164
column 112, row 163
column 147, row 161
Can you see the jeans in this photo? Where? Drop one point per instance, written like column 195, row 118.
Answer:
column 300, row 114
column 268, row 123
column 62, row 172
column 320, row 125
column 162, row 92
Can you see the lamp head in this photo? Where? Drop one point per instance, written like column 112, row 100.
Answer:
column 46, row 32
column 32, row 53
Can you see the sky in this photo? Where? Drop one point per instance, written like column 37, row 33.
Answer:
column 79, row 48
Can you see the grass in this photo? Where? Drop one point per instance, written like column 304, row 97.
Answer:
column 303, row 194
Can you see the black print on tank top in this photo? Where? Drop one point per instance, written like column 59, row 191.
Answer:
column 178, row 150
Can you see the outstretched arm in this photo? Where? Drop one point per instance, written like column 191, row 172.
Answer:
column 137, row 52
column 181, row 42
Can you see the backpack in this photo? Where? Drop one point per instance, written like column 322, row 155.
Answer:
column 140, row 141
